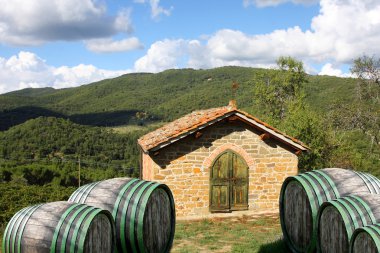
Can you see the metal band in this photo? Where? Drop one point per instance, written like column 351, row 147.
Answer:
column 366, row 181
column 140, row 215
column 373, row 231
column 323, row 185
column 76, row 192
column 366, row 207
column 68, row 226
column 358, row 209
column 124, row 213
column 79, row 193
column 9, row 228
column 86, row 225
column 332, row 184
column 172, row 209
column 314, row 211
column 314, row 187
column 18, row 223
column 351, row 214
column 88, row 191
column 344, row 213
column 372, row 182
column 375, row 182
column 120, row 196
column 23, row 226
column 81, row 219
column 133, row 214
column 59, row 225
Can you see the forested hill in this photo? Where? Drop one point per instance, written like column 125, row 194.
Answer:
column 68, row 127
column 56, row 146
column 144, row 97
column 52, row 140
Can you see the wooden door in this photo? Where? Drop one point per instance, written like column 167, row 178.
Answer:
column 239, row 183
column 229, row 183
column 220, row 185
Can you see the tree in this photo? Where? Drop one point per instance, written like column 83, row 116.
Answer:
column 280, row 96
column 367, row 70
column 309, row 127
column 277, row 89
column 366, row 116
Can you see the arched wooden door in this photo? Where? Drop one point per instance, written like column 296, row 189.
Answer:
column 229, row 183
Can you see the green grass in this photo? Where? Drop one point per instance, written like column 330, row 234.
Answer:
column 132, row 128
column 245, row 234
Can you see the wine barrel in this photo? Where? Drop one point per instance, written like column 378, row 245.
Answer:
column 337, row 220
column 144, row 212
column 366, row 239
column 60, row 227
column 302, row 195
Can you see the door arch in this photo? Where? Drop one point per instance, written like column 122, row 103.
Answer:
column 229, row 183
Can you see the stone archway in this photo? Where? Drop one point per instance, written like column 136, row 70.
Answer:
column 207, row 163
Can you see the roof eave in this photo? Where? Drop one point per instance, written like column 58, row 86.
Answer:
column 279, row 136
column 189, row 132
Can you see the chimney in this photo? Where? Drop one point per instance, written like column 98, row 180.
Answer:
column 232, row 105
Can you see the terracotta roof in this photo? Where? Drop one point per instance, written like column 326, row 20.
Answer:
column 197, row 120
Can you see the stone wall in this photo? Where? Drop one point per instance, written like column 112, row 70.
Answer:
column 185, row 166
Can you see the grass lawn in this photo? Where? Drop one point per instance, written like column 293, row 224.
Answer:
column 243, row 234
column 132, row 128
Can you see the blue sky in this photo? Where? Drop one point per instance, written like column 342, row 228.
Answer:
column 66, row 43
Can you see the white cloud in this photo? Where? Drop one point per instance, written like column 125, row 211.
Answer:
column 266, row 3
column 163, row 55
column 329, row 70
column 27, row 70
column 156, row 9
column 342, row 31
column 181, row 53
column 35, row 22
column 110, row 46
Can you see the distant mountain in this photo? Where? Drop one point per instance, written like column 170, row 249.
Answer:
column 146, row 97
column 32, row 92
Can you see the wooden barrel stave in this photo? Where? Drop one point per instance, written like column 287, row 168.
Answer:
column 155, row 228
column 338, row 219
column 130, row 201
column 317, row 187
column 366, row 239
column 59, row 227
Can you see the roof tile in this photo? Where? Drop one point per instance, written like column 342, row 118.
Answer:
column 192, row 121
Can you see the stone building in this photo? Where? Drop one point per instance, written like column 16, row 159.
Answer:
column 220, row 160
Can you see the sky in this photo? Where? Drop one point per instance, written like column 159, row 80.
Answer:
column 67, row 43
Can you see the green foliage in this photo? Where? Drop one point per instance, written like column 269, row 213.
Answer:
column 280, row 94
column 47, row 150
column 16, row 196
column 367, row 69
column 308, row 126
column 367, row 118
column 275, row 91
column 323, row 115
column 357, row 122
column 39, row 156
column 120, row 101
column 172, row 93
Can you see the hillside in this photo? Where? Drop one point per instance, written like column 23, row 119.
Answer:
column 52, row 145
column 146, row 99
column 163, row 96
column 50, row 138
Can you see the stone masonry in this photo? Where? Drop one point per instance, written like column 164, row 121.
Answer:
column 185, row 166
